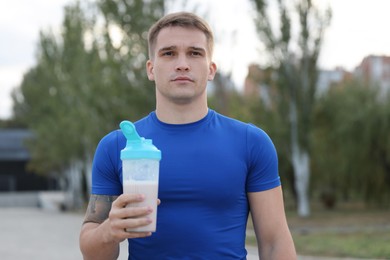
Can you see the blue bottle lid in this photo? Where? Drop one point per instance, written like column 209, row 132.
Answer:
column 137, row 147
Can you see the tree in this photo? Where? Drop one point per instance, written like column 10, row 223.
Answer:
column 294, row 51
column 84, row 84
column 351, row 137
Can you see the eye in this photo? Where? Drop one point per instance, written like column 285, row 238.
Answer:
column 167, row 53
column 196, row 53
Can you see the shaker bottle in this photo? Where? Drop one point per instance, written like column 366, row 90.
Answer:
column 140, row 172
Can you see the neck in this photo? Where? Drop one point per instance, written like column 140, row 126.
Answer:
column 181, row 114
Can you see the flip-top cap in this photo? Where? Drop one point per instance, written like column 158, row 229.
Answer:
column 137, row 147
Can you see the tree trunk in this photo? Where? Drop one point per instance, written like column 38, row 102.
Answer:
column 301, row 162
column 88, row 173
column 74, row 198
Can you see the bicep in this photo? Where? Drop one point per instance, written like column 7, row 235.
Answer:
column 268, row 215
column 99, row 207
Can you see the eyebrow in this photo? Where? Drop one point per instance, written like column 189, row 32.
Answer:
column 169, row 48
column 173, row 47
column 200, row 49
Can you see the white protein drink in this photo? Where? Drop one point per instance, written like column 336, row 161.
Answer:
column 149, row 189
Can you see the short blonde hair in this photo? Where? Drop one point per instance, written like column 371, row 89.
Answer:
column 182, row 19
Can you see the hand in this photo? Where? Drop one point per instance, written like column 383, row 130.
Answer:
column 121, row 217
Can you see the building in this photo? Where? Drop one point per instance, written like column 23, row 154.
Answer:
column 329, row 78
column 372, row 71
column 260, row 83
column 14, row 158
column 375, row 71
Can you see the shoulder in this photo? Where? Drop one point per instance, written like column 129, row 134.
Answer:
column 227, row 123
column 251, row 130
column 109, row 147
column 113, row 139
column 258, row 143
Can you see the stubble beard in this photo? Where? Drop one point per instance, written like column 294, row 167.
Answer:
column 181, row 95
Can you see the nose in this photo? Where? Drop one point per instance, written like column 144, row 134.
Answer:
column 182, row 63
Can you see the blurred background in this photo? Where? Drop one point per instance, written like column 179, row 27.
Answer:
column 315, row 75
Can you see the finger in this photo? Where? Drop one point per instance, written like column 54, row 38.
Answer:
column 125, row 199
column 129, row 218
column 158, row 202
column 134, row 212
column 132, row 223
column 130, row 234
column 120, row 232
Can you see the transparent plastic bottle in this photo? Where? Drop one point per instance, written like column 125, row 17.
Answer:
column 140, row 171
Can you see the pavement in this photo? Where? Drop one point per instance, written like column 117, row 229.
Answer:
column 37, row 234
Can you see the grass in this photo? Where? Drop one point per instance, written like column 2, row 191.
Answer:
column 356, row 244
column 359, row 233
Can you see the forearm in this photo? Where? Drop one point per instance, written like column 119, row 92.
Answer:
column 105, row 225
column 283, row 249
column 95, row 243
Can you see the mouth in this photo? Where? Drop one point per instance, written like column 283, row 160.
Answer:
column 182, row 79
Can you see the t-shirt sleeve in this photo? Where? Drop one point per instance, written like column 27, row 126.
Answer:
column 263, row 161
column 105, row 168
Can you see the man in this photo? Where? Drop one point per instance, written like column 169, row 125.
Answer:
column 214, row 170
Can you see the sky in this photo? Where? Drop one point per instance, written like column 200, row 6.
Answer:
column 358, row 29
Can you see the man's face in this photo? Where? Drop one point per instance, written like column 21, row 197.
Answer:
column 181, row 65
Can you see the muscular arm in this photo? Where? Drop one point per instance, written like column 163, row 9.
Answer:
column 105, row 222
column 273, row 235
column 98, row 209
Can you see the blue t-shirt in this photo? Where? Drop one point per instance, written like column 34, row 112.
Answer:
column 207, row 169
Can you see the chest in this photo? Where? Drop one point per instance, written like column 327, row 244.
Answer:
column 213, row 169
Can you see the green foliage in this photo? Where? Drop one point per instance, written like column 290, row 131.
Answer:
column 85, row 83
column 352, row 144
column 293, row 49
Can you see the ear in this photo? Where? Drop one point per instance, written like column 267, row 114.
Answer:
column 149, row 70
column 212, row 71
